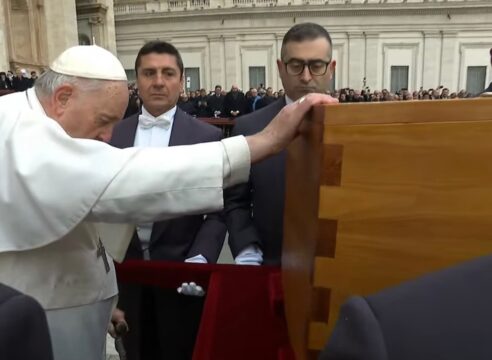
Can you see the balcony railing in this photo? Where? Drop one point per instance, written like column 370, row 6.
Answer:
column 126, row 7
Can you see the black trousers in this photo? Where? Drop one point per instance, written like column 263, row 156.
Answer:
column 163, row 324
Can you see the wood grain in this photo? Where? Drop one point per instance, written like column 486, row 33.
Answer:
column 414, row 196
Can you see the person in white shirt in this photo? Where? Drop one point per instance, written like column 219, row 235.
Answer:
column 57, row 183
column 173, row 318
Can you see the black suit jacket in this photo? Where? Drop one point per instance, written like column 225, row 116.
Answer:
column 442, row 316
column 178, row 239
column 254, row 211
column 216, row 103
column 24, row 331
column 489, row 88
column 235, row 103
column 265, row 101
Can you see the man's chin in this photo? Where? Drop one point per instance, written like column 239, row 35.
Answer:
column 308, row 91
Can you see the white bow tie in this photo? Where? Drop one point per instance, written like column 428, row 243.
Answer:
column 146, row 122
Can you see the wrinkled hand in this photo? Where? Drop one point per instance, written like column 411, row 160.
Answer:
column 284, row 127
column 191, row 289
column 118, row 325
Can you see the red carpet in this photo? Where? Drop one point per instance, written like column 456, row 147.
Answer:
column 243, row 317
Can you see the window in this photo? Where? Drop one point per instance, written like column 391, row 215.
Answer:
column 130, row 74
column 19, row 5
column 475, row 79
column 399, row 78
column 256, row 76
column 84, row 39
column 192, row 79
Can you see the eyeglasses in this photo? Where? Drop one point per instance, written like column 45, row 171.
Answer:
column 316, row 67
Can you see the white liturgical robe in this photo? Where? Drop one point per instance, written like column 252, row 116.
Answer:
column 53, row 189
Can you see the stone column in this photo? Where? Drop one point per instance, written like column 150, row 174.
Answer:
column 373, row 61
column 103, row 27
column 278, row 49
column 217, row 62
column 449, row 61
column 61, row 26
column 232, row 62
column 356, row 60
column 4, row 46
column 109, row 27
column 431, row 59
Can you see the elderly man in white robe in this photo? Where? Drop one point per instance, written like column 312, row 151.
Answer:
column 57, row 183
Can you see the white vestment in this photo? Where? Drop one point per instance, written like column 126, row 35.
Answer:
column 53, row 190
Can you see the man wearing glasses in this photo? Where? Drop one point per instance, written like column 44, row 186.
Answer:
column 254, row 211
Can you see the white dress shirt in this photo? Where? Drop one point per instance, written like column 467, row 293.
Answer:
column 154, row 136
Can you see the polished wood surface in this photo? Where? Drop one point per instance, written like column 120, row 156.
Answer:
column 219, row 121
column 378, row 194
column 226, row 124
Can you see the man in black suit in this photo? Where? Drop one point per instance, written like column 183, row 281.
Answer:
column 164, row 323
column 24, row 331
column 21, row 82
column 235, row 103
column 216, row 103
column 444, row 315
column 254, row 211
column 489, row 88
column 267, row 99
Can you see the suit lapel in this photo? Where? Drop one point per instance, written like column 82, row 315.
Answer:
column 180, row 132
column 124, row 135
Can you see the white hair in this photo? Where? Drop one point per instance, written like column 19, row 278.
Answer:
column 50, row 80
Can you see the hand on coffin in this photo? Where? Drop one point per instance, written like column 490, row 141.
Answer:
column 250, row 255
column 284, row 127
column 191, row 289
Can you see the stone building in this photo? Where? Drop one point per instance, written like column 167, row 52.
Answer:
column 34, row 32
column 377, row 43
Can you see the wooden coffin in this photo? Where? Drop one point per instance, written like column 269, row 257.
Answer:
column 379, row 193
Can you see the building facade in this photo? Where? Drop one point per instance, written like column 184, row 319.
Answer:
column 390, row 44
column 34, row 32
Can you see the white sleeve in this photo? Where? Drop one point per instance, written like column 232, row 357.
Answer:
column 237, row 161
column 161, row 183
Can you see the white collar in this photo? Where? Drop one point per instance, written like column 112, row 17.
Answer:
column 167, row 115
column 33, row 101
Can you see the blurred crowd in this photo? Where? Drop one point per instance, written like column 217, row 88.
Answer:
column 229, row 104
column 21, row 81
column 235, row 102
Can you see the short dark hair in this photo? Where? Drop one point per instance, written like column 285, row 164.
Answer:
column 159, row 47
column 305, row 31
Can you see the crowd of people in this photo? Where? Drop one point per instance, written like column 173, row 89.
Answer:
column 21, row 81
column 220, row 103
